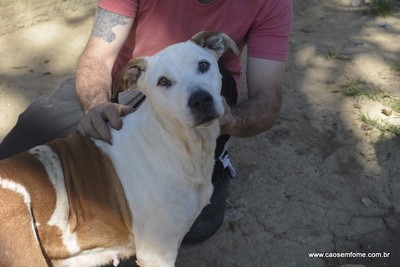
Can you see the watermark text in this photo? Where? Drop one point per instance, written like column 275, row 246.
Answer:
column 349, row 255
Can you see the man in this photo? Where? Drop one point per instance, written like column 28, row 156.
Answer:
column 124, row 29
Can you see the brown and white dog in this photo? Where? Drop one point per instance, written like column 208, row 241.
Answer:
column 83, row 202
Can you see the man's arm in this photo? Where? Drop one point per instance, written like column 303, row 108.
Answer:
column 260, row 110
column 93, row 75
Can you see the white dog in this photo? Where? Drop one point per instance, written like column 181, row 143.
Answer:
column 79, row 202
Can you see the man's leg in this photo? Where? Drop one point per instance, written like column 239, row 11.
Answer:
column 212, row 216
column 47, row 118
column 50, row 117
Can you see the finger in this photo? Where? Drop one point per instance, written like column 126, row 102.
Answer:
column 85, row 127
column 124, row 110
column 99, row 126
column 112, row 115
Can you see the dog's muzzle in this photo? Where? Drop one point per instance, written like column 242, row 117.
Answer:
column 201, row 104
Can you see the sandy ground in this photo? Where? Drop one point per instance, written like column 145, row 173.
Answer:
column 319, row 181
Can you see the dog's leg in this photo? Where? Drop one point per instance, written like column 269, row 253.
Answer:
column 157, row 240
column 19, row 245
column 158, row 237
column 154, row 259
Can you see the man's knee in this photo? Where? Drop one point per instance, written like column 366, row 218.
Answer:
column 48, row 117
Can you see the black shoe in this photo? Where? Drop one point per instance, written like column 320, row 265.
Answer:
column 212, row 215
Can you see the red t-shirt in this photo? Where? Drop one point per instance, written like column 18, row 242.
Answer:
column 264, row 25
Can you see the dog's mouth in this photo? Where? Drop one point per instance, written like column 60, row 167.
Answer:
column 204, row 120
column 208, row 120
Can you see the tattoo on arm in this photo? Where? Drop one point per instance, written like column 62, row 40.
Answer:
column 105, row 22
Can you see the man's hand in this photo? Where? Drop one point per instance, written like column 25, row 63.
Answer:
column 95, row 123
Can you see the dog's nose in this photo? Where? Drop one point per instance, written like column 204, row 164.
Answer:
column 200, row 101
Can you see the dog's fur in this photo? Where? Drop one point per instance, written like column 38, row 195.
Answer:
column 79, row 202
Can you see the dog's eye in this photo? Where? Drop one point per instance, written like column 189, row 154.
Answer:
column 163, row 81
column 204, row 66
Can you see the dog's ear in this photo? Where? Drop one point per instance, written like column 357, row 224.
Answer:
column 128, row 76
column 218, row 42
column 133, row 71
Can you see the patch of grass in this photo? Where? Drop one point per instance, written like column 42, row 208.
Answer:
column 356, row 88
column 396, row 67
column 393, row 103
column 390, row 101
column 383, row 7
column 383, row 126
column 331, row 55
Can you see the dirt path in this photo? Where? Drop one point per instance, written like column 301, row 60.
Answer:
column 320, row 181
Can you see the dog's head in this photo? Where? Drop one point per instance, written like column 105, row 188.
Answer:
column 183, row 80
